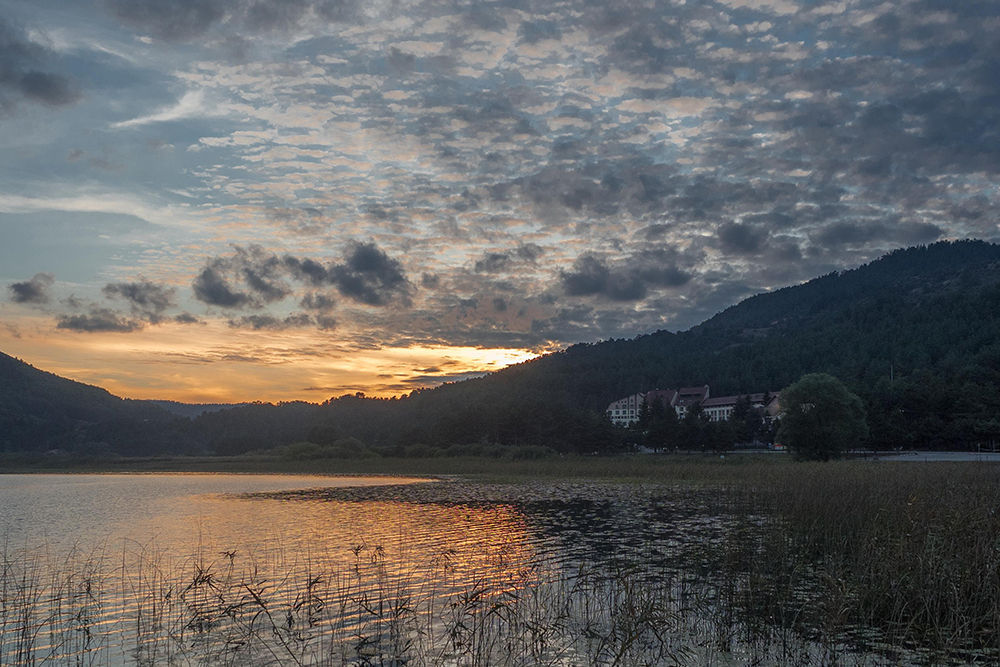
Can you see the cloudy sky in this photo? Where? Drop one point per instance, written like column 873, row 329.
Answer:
column 242, row 199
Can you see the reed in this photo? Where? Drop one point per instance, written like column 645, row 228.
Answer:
column 909, row 551
column 846, row 563
column 237, row 609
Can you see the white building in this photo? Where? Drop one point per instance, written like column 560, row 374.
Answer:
column 688, row 397
column 626, row 410
column 721, row 408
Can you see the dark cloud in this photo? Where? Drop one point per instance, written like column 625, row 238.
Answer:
column 316, row 301
column 35, row 290
column 500, row 305
column 259, row 322
column 626, row 286
column 498, row 262
column 306, row 270
column 212, row 287
column 252, row 277
column 665, row 276
column 186, row 318
column 146, row 298
column 858, row 233
column 492, row 262
column 261, row 278
column 741, row 239
column 98, row 320
column 430, row 280
column 631, row 279
column 589, row 276
column 21, row 75
column 257, row 273
column 529, row 251
column 326, row 322
column 370, row 276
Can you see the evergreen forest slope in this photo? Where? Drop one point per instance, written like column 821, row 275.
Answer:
column 40, row 411
column 916, row 334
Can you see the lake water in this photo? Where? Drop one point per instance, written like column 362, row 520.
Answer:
column 283, row 569
column 57, row 511
column 91, row 554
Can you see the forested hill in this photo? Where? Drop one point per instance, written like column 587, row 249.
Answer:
column 913, row 309
column 40, row 411
column 926, row 317
column 916, row 334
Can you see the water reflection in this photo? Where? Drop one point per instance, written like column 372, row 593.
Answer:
column 231, row 570
column 152, row 569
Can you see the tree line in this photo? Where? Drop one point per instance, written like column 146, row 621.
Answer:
column 915, row 335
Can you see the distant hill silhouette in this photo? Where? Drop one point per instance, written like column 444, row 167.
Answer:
column 915, row 333
column 40, row 411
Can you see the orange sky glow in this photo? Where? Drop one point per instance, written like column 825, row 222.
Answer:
column 214, row 363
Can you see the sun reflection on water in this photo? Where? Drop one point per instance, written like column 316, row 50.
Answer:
column 219, row 575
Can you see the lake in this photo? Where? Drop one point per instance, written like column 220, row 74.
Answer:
column 284, row 569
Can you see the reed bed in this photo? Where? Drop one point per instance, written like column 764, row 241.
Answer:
column 235, row 610
column 846, row 563
column 912, row 551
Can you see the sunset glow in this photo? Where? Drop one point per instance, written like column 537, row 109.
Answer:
column 225, row 200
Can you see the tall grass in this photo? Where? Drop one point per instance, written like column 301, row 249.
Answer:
column 238, row 609
column 910, row 552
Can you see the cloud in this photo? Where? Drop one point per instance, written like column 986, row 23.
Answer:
column 492, row 262
column 742, row 239
column 501, row 171
column 258, row 322
column 632, row 279
column 170, row 19
column 212, row 287
column 590, row 276
column 146, row 299
column 22, row 77
column 317, row 301
column 98, row 320
column 370, row 276
column 191, row 105
column 185, row 20
column 34, row 291
column 253, row 277
column 858, row 233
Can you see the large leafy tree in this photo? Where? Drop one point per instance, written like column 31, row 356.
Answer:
column 821, row 418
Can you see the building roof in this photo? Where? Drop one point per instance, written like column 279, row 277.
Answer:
column 666, row 396
column 689, row 395
column 732, row 400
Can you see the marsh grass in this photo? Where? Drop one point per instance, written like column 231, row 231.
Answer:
column 846, row 563
column 890, row 555
column 233, row 609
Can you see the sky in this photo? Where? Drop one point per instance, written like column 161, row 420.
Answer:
column 231, row 200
